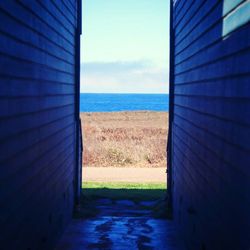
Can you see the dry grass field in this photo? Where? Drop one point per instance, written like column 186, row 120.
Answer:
column 125, row 139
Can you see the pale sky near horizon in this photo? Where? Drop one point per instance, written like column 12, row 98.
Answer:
column 125, row 46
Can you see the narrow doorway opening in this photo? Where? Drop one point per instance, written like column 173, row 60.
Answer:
column 124, row 102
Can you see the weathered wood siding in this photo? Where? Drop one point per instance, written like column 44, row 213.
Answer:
column 211, row 123
column 38, row 113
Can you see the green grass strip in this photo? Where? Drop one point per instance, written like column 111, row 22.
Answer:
column 124, row 185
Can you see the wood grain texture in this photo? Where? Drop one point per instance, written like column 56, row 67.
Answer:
column 37, row 121
column 211, row 124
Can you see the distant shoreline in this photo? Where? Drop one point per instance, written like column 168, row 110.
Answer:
column 124, row 93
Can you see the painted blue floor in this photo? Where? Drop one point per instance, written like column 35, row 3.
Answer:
column 120, row 225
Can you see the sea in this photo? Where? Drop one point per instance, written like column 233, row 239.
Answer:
column 123, row 102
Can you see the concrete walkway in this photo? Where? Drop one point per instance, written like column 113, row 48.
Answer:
column 113, row 174
column 121, row 225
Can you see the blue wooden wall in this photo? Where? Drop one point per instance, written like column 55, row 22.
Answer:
column 38, row 120
column 210, row 157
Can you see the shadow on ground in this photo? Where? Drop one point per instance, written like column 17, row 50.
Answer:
column 135, row 196
column 117, row 217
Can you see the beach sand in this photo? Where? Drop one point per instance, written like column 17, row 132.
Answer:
column 125, row 139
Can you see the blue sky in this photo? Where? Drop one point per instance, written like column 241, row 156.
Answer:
column 125, row 46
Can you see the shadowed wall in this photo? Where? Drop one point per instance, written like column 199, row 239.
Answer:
column 210, row 155
column 39, row 47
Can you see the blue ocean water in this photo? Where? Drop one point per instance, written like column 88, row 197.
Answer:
column 123, row 102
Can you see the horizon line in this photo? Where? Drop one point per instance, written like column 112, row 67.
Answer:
column 132, row 93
